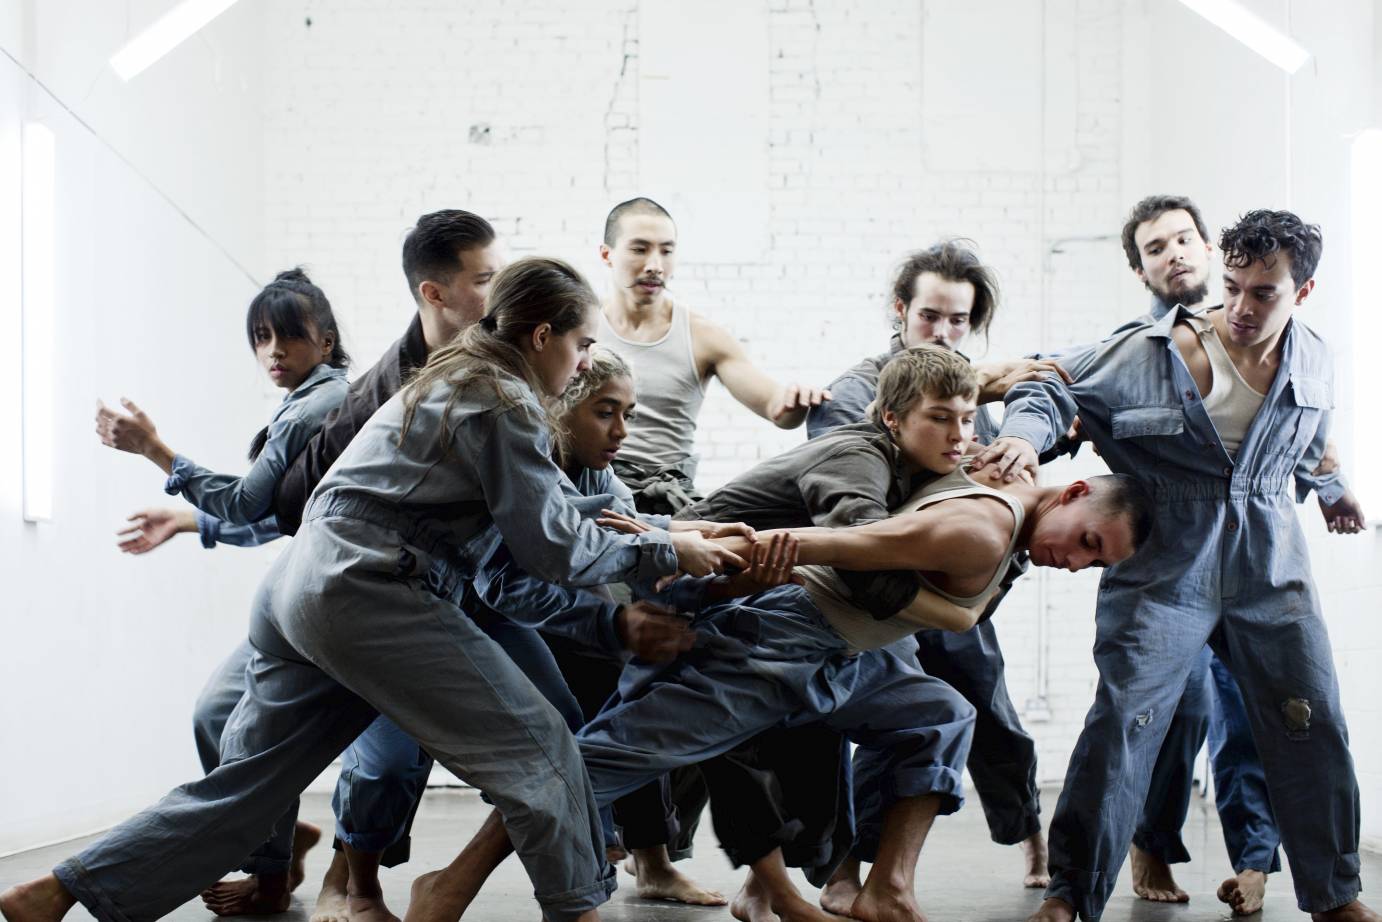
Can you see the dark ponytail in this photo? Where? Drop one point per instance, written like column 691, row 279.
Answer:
column 292, row 306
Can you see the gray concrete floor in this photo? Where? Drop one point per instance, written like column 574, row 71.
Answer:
column 964, row 877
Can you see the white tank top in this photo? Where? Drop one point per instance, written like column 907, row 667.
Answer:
column 932, row 606
column 669, row 394
column 1231, row 403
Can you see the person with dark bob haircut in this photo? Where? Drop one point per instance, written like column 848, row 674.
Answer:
column 1222, row 416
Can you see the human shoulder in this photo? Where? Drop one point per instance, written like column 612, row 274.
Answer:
column 711, row 342
column 965, row 536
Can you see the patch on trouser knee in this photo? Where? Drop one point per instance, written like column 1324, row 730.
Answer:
column 1296, row 712
column 1140, row 721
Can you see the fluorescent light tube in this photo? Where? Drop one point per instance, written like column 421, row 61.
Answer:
column 39, row 181
column 167, row 32
column 1258, row 34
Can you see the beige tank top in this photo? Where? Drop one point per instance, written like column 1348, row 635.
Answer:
column 1231, row 403
column 932, row 607
column 669, row 393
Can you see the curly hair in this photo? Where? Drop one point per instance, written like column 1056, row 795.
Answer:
column 1262, row 234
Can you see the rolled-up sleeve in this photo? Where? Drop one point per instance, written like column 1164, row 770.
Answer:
column 578, row 614
column 212, row 531
column 247, row 499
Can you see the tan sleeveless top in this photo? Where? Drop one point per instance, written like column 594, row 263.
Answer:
column 932, row 607
column 1231, row 403
column 662, row 432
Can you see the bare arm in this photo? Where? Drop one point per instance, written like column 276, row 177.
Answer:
column 962, row 538
column 721, row 355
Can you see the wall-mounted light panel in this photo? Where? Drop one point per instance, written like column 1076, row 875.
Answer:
column 39, row 246
column 1250, row 29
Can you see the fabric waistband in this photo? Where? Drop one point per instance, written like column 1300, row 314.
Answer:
column 420, row 527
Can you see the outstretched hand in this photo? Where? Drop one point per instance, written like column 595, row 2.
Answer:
column 771, row 565
column 1006, row 459
column 653, row 633
column 153, row 527
column 793, row 402
column 716, row 529
column 133, row 431
column 997, row 378
column 1345, row 517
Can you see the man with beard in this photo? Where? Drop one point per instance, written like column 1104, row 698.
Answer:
column 1223, row 416
column 1167, row 247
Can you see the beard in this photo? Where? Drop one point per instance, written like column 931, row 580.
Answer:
column 1186, row 296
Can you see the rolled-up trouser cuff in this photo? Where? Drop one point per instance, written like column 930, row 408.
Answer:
column 1022, row 828
column 1167, row 846
column 568, row 906
column 1341, row 888
column 260, row 865
column 935, row 780
column 1268, row 862
column 1078, row 888
column 746, row 853
column 75, row 881
column 369, row 842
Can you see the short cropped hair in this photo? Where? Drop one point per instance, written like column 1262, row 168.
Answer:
column 1262, row 234
column 638, row 205
column 955, row 260
column 1151, row 208
column 929, row 371
column 432, row 250
column 1121, row 494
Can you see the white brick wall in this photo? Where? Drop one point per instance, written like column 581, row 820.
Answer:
column 530, row 116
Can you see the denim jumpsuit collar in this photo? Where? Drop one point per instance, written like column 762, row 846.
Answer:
column 1192, row 401
column 315, row 379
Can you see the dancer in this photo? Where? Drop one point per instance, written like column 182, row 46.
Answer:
column 1222, row 416
column 941, row 296
column 294, row 334
column 343, row 624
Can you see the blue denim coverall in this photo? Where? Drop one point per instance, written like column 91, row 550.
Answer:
column 1212, row 706
column 345, row 628
column 1226, row 564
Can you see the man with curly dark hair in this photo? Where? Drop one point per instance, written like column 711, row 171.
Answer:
column 1223, row 416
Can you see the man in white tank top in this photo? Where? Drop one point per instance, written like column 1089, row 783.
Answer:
column 674, row 353
column 1226, row 565
column 1165, row 241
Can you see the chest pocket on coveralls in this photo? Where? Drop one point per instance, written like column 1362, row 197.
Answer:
column 1313, row 397
column 1147, row 426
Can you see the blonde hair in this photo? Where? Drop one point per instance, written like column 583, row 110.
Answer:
column 605, row 366
column 922, row 371
column 526, row 294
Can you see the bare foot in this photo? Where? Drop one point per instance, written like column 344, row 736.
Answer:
column 331, row 902
column 42, row 900
column 1353, row 912
column 1034, row 853
column 369, row 909
column 615, row 854
column 1152, row 880
column 436, row 897
column 1053, row 910
column 659, row 880
column 881, row 903
column 751, row 903
column 1244, row 893
column 757, row 901
column 256, row 895
column 842, row 889
column 305, row 836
